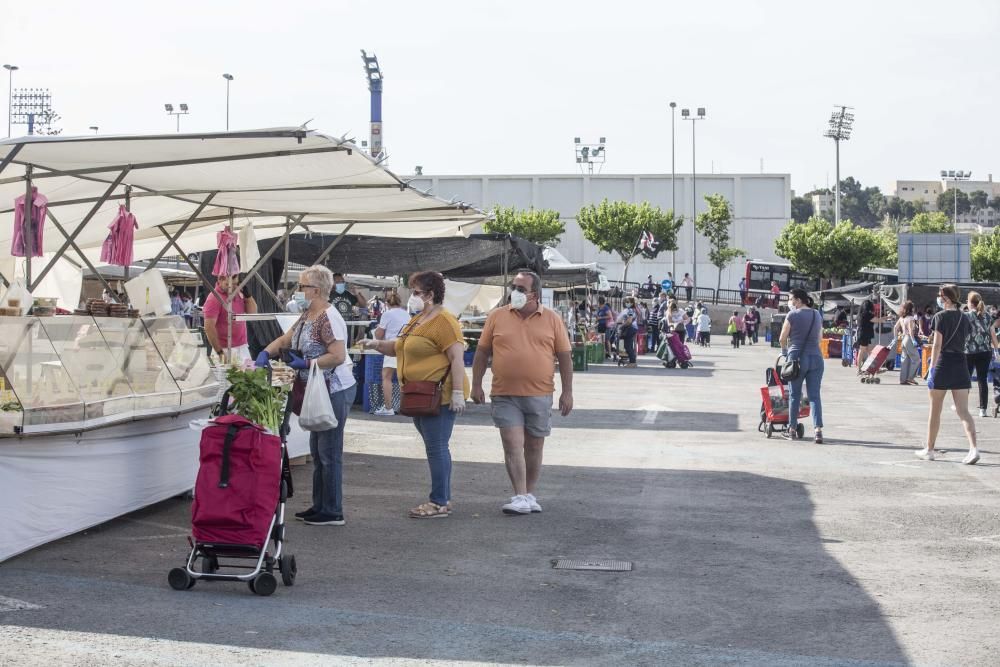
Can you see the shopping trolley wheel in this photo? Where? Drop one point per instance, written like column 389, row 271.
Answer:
column 179, row 579
column 801, row 430
column 209, row 564
column 769, row 429
column 843, row 362
column 288, row 569
column 264, row 584
column 996, row 412
column 878, row 380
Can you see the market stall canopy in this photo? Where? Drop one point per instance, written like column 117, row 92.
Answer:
column 194, row 184
column 838, row 297
column 560, row 272
column 471, row 259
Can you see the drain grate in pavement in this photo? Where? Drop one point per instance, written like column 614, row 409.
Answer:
column 595, row 565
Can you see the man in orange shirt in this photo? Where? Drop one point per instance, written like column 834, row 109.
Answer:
column 524, row 339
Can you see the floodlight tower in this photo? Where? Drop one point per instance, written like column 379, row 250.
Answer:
column 841, row 124
column 590, row 154
column 374, row 74
column 955, row 177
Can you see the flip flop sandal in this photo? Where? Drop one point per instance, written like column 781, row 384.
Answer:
column 430, row 510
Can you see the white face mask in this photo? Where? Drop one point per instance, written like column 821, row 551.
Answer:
column 300, row 299
column 415, row 304
column 940, row 303
column 518, row 300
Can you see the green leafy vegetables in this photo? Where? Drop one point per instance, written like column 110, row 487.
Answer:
column 255, row 398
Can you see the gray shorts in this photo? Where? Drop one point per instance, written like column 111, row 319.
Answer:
column 534, row 413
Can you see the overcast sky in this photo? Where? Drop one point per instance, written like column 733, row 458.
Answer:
column 503, row 87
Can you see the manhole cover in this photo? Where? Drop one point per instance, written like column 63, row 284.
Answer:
column 599, row 565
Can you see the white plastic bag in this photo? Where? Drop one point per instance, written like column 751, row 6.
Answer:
column 18, row 291
column 317, row 408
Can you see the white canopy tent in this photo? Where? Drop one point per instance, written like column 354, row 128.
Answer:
column 184, row 188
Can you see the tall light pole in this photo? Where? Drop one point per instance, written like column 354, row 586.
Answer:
column 841, row 124
column 955, row 177
column 10, row 92
column 94, row 128
column 686, row 115
column 183, row 111
column 673, row 180
column 229, row 79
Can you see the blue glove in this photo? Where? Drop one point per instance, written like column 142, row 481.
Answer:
column 263, row 359
column 298, row 362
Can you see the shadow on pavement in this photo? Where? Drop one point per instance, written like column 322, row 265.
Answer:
column 591, row 418
column 648, row 368
column 729, row 568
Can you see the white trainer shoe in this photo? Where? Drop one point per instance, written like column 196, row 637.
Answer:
column 982, row 412
column 535, row 507
column 972, row 458
column 384, row 412
column 517, row 505
column 925, row 454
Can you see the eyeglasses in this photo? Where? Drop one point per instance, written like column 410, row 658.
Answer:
column 302, row 287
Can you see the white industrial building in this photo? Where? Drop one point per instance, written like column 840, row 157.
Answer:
column 761, row 205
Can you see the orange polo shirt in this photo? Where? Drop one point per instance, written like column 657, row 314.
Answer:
column 524, row 350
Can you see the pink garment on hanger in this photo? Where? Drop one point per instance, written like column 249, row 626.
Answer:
column 117, row 247
column 227, row 261
column 39, row 207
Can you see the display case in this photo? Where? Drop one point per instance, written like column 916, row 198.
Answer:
column 72, row 373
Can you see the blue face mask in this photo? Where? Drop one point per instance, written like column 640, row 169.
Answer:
column 340, row 288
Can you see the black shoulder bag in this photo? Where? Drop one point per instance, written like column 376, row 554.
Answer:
column 791, row 369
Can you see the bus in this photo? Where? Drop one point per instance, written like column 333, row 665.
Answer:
column 760, row 273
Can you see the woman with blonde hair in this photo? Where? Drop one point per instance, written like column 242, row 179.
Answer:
column 320, row 337
column 906, row 329
column 979, row 346
column 391, row 323
column 949, row 372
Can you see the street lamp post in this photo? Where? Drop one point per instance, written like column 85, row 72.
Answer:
column 183, row 111
column 955, row 177
column 10, row 92
column 841, row 124
column 94, row 128
column 229, row 79
column 673, row 180
column 686, row 115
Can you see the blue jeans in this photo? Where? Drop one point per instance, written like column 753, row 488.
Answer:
column 811, row 372
column 436, row 432
column 327, row 449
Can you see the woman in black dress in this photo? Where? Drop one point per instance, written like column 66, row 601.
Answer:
column 866, row 331
column 949, row 372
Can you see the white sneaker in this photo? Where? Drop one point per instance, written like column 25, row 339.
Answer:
column 972, row 458
column 384, row 412
column 925, row 454
column 982, row 412
column 535, row 507
column 517, row 505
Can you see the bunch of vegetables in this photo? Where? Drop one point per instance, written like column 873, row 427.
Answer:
column 254, row 397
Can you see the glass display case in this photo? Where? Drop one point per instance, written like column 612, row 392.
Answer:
column 71, row 373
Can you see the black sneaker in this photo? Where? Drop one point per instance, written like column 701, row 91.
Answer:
column 302, row 516
column 319, row 519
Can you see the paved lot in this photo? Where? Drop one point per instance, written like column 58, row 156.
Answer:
column 747, row 551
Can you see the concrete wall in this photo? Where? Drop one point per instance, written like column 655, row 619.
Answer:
column 761, row 207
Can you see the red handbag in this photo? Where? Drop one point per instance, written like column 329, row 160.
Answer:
column 420, row 399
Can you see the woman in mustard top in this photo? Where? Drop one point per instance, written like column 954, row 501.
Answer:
column 430, row 348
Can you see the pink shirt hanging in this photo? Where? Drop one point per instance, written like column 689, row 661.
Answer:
column 117, row 247
column 227, row 261
column 39, row 207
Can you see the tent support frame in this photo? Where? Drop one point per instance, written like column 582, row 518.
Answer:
column 326, row 253
column 173, row 239
column 75, row 247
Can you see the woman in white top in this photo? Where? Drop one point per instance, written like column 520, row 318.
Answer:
column 393, row 320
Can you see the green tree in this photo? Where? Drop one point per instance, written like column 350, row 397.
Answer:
column 888, row 235
column 930, row 223
column 995, row 203
column 911, row 208
column 865, row 206
column 946, row 202
column 617, row 226
column 978, row 199
column 541, row 226
column 802, row 209
column 985, row 257
column 714, row 225
column 823, row 250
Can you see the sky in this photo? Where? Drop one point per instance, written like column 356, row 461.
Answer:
column 503, row 87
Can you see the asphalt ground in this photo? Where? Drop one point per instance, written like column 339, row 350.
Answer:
column 746, row 551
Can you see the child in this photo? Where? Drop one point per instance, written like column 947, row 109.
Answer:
column 704, row 328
